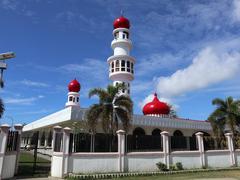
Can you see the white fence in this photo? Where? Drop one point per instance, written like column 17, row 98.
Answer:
column 9, row 150
column 64, row 162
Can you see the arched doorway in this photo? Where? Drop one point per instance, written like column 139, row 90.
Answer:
column 156, row 140
column 156, row 132
column 178, row 141
column 135, row 142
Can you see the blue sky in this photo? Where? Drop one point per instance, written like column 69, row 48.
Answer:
column 186, row 50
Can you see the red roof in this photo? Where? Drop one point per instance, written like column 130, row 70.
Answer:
column 121, row 22
column 74, row 86
column 156, row 107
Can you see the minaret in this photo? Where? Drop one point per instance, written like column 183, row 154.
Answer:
column 73, row 94
column 121, row 64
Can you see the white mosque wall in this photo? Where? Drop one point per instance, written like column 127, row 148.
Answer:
column 8, row 169
column 218, row 158
column 237, row 156
column 143, row 161
column 189, row 159
column 56, row 166
column 93, row 162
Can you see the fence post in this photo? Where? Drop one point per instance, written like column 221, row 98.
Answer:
column 121, row 150
column 3, row 146
column 199, row 136
column 56, row 160
column 229, row 137
column 165, row 143
column 66, row 143
column 18, row 128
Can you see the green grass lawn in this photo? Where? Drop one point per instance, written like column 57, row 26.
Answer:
column 26, row 161
column 187, row 176
column 27, row 157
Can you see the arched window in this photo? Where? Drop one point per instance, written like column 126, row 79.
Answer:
column 128, row 66
column 77, row 99
column 138, row 131
column 156, row 132
column 122, row 65
column 112, row 64
column 177, row 133
column 132, row 67
column 126, row 35
column 178, row 141
column 117, row 65
column 70, row 98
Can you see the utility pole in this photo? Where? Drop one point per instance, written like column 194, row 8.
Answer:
column 3, row 65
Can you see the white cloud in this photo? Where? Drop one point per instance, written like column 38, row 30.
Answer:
column 22, row 101
column 236, row 10
column 92, row 69
column 157, row 62
column 33, row 83
column 210, row 66
column 8, row 4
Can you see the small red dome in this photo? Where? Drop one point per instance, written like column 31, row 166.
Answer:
column 121, row 22
column 156, row 107
column 74, row 86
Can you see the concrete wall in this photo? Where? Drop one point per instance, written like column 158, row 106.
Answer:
column 93, row 162
column 189, row 159
column 143, row 161
column 9, row 165
column 218, row 158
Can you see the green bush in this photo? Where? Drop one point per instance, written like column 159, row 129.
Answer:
column 179, row 166
column 161, row 166
column 172, row 167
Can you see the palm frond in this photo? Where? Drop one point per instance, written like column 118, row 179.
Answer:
column 93, row 116
column 101, row 93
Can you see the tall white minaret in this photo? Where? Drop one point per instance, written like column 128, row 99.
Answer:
column 121, row 64
column 73, row 94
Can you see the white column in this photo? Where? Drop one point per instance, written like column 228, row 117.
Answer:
column 39, row 139
column 66, row 141
column 3, row 145
column 18, row 128
column 229, row 137
column 199, row 136
column 46, row 139
column 165, row 143
column 59, row 166
column 121, row 150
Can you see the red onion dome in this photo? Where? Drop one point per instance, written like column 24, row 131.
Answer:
column 121, row 22
column 156, row 107
column 74, row 86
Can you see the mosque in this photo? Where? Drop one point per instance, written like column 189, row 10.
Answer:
column 144, row 128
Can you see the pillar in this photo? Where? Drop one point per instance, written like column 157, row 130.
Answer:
column 121, row 150
column 18, row 128
column 229, row 137
column 59, row 166
column 199, row 137
column 66, row 143
column 3, row 145
column 165, row 143
column 46, row 139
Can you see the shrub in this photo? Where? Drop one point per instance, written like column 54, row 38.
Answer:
column 179, row 166
column 161, row 166
column 172, row 167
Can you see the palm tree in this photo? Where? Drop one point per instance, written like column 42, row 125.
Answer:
column 227, row 113
column 111, row 109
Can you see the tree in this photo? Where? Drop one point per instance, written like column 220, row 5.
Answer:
column 227, row 113
column 111, row 109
